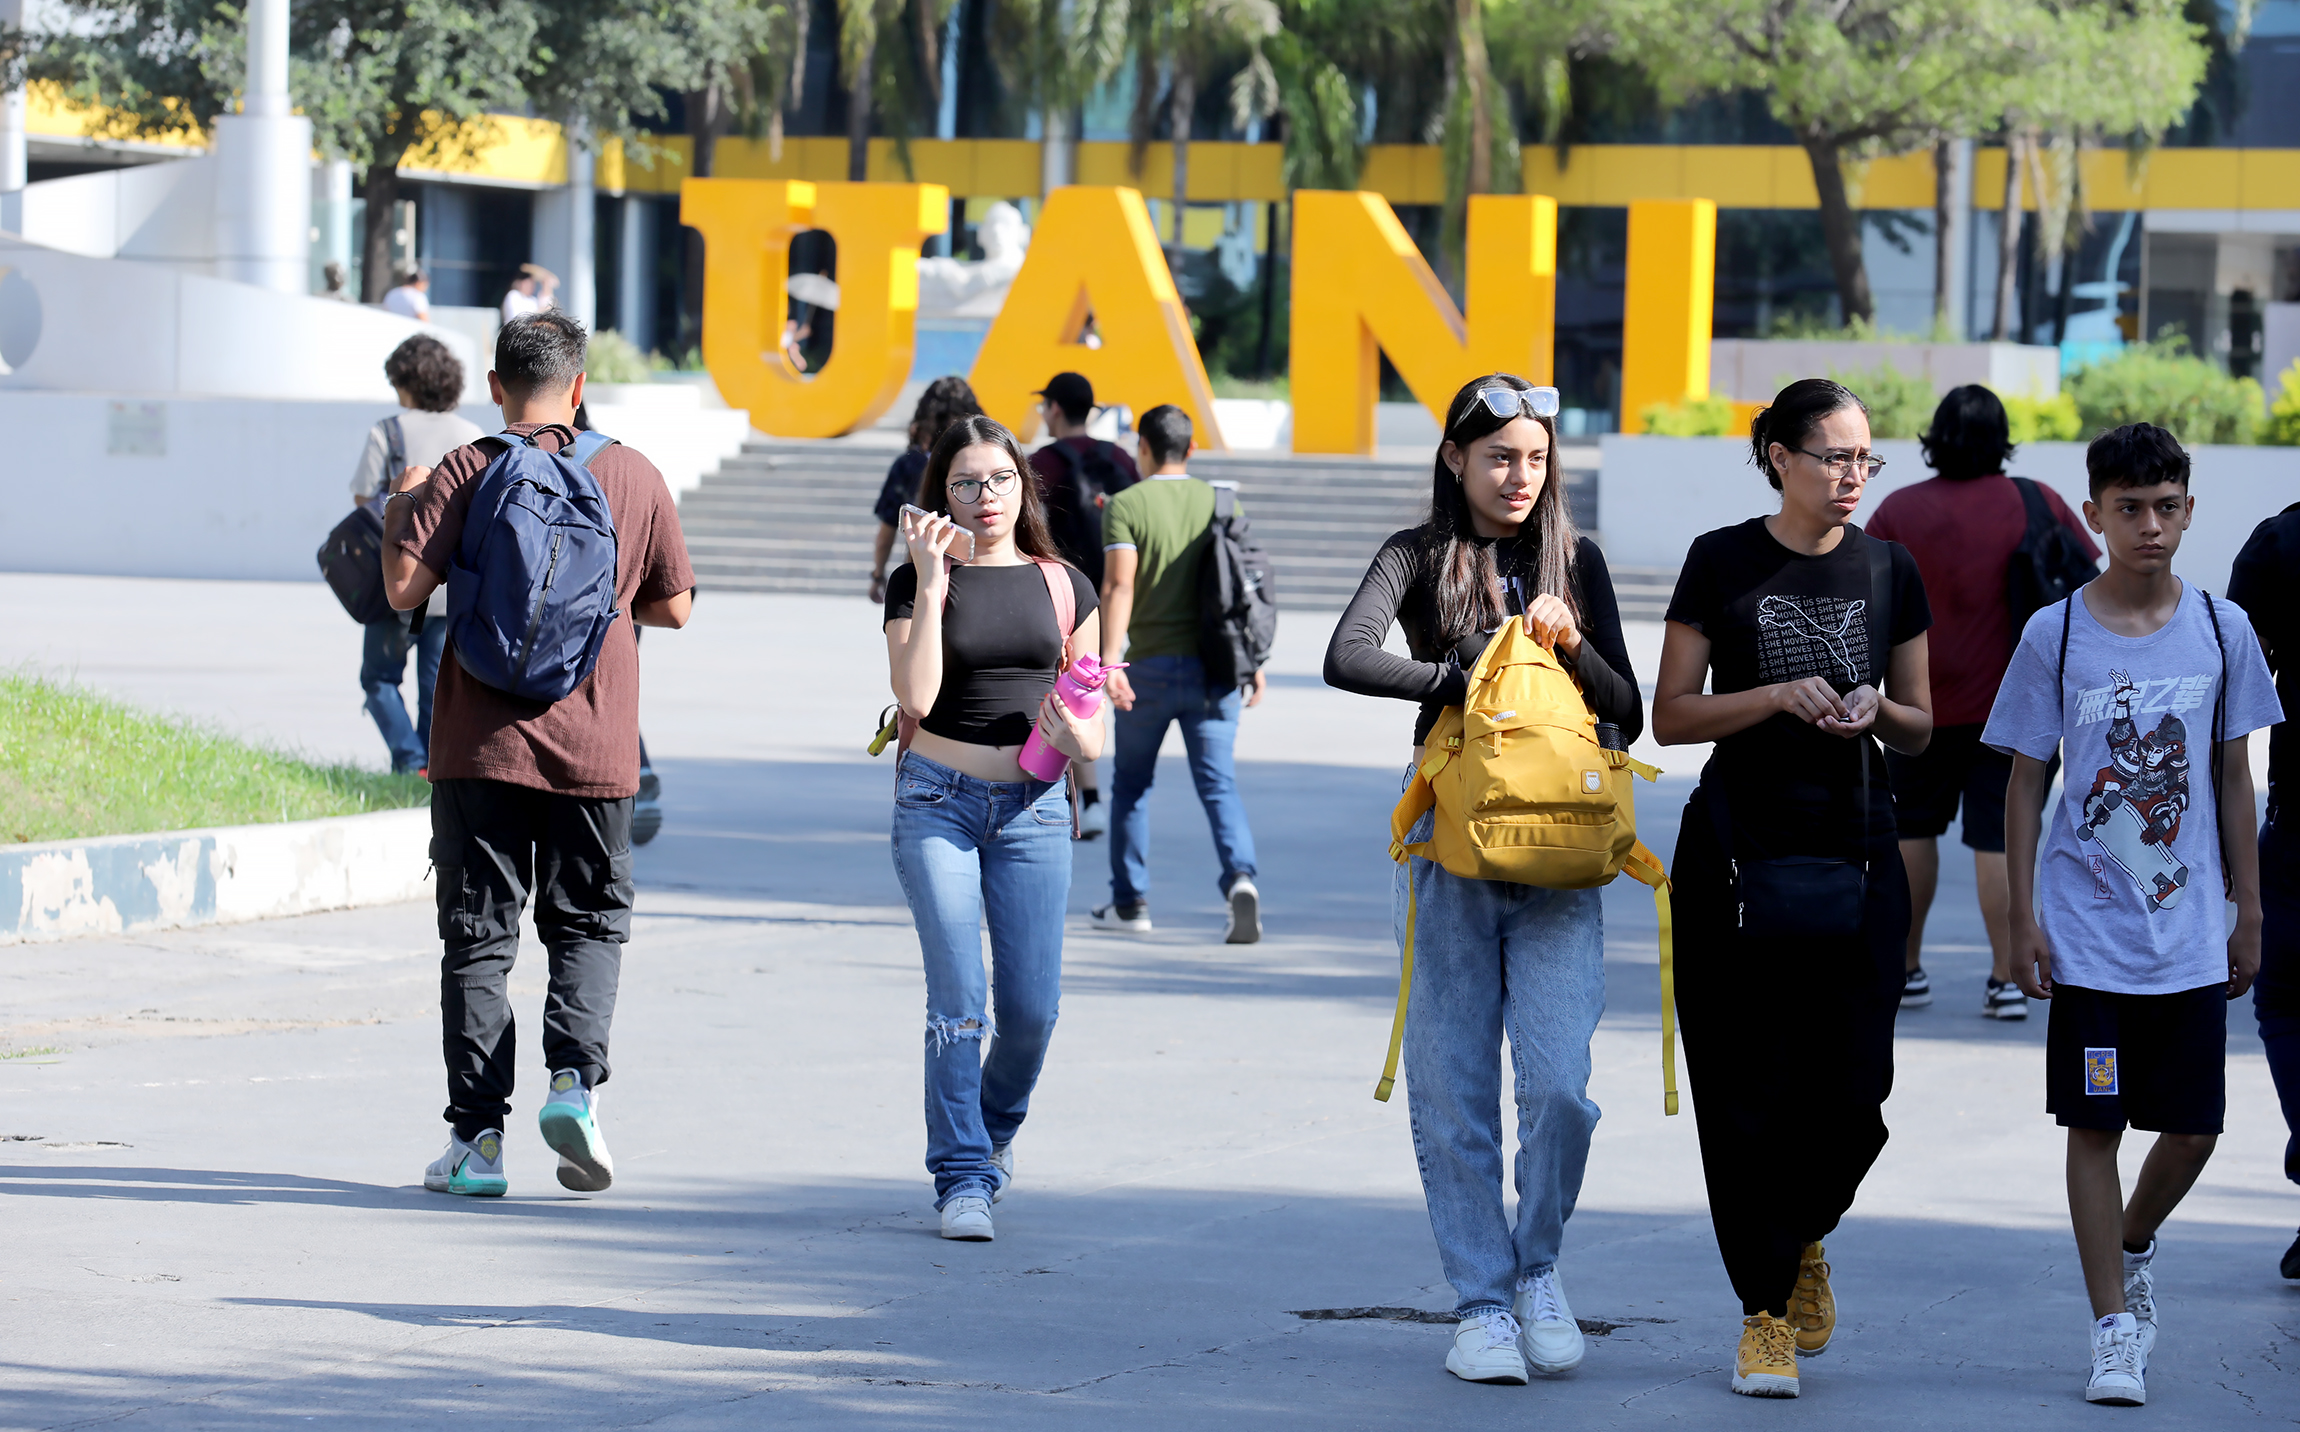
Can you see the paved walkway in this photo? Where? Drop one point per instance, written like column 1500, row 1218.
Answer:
column 222, row 1224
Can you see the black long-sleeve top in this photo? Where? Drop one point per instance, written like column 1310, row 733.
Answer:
column 1397, row 588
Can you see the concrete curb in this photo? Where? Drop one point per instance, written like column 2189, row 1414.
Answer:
column 212, row 877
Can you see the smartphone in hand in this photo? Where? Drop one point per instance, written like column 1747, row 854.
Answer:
column 962, row 544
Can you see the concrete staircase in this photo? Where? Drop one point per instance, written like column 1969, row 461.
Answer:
column 788, row 516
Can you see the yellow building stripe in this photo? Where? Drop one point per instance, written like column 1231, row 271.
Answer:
column 515, row 149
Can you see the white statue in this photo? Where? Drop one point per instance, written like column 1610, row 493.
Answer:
column 958, row 288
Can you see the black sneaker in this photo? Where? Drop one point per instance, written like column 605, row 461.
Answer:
column 647, row 810
column 2290, row 1267
column 2005, row 1001
column 1134, row 917
column 1916, row 990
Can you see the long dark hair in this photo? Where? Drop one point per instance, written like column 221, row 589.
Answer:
column 1970, row 436
column 1031, row 536
column 945, row 400
column 1465, row 582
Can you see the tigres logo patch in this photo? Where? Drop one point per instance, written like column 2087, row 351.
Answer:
column 2099, row 1071
column 490, row 1147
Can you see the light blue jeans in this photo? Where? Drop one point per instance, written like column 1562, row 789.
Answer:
column 1169, row 689
column 964, row 848
column 1492, row 958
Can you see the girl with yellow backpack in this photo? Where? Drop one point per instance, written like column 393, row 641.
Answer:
column 1488, row 956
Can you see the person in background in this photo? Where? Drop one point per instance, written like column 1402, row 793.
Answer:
column 429, row 382
column 1155, row 535
column 1496, row 960
column 1078, row 475
column 1963, row 527
column 945, row 401
column 531, row 292
column 973, row 649
column 335, row 276
column 1776, row 651
column 2264, row 583
column 412, row 297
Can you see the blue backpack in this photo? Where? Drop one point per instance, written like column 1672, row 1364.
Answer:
column 531, row 590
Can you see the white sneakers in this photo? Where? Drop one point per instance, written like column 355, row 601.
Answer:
column 1244, row 926
column 1003, row 1156
column 1134, row 918
column 1551, row 1340
column 1485, row 1350
column 2118, row 1363
column 474, row 1170
column 2140, row 1296
column 967, row 1218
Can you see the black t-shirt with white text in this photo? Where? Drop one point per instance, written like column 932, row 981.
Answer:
column 1774, row 615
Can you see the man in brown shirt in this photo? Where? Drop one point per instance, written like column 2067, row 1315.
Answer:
column 533, row 797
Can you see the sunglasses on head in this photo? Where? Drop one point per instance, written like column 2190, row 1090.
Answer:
column 1507, row 403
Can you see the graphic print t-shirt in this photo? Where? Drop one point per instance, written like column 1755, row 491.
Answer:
column 2130, row 883
column 1774, row 615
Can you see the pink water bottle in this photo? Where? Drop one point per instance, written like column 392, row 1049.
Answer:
column 1080, row 689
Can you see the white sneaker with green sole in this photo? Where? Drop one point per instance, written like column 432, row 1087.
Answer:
column 474, row 1170
column 570, row 1120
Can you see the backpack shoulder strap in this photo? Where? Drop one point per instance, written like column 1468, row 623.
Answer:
column 2038, row 511
column 394, row 449
column 1225, row 502
column 1057, row 575
column 588, row 446
column 1880, row 607
column 2060, row 686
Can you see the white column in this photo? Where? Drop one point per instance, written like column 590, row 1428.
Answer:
column 331, row 216
column 635, row 285
column 579, row 285
column 12, row 163
column 263, row 168
column 1054, row 151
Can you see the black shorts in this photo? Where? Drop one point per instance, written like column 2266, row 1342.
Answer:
column 2154, row 1061
column 1955, row 767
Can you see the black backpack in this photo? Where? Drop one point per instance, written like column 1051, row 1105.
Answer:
column 351, row 559
column 2048, row 564
column 1237, row 599
column 1075, row 502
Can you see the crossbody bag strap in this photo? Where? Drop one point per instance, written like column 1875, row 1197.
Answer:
column 2219, row 724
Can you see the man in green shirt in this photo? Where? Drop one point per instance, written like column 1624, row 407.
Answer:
column 1155, row 536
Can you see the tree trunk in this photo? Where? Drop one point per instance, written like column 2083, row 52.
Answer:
column 1952, row 216
column 1841, row 231
column 375, row 276
column 1476, row 76
column 1183, row 105
column 858, row 114
column 2008, row 240
column 706, row 115
column 930, row 57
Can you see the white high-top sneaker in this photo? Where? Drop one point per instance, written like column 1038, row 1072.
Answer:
column 2116, row 1363
column 2140, row 1298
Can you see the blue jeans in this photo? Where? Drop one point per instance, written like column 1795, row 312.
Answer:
column 964, row 848
column 382, row 666
column 1169, row 689
column 1492, row 958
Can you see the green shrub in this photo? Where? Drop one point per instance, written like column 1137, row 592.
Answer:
column 1689, row 418
column 2162, row 383
column 1900, row 404
column 2283, row 426
column 616, row 359
column 2043, row 420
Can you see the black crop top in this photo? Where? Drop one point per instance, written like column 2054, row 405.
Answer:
column 1000, row 648
column 1398, row 588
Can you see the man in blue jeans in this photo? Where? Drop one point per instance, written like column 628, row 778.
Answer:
column 1155, row 534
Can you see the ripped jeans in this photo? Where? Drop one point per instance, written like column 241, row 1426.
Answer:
column 965, row 848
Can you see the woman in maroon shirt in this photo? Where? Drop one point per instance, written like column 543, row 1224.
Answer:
column 1963, row 527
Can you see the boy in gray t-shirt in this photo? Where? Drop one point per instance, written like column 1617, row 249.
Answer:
column 2147, row 685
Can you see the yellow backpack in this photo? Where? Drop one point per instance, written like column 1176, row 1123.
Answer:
column 1524, row 793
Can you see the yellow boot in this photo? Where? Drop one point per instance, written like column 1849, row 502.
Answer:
column 1813, row 1307
column 1766, row 1365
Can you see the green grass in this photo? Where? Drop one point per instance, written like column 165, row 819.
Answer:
column 74, row 764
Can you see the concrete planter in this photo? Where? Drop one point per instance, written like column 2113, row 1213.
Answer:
column 119, row 883
column 1750, row 370
column 1655, row 495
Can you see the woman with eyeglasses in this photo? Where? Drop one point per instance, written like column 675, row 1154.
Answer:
column 974, row 648
column 1793, row 642
column 1492, row 957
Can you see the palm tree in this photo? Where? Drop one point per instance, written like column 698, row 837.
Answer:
column 1179, row 41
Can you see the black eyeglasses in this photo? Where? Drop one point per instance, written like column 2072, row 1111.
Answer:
column 969, row 489
column 1838, row 464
